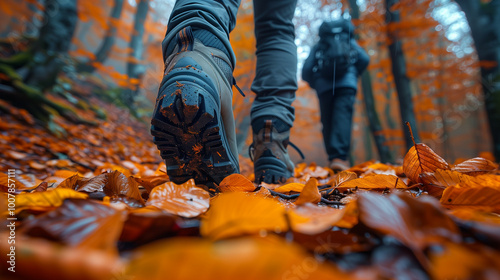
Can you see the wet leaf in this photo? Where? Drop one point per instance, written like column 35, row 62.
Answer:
column 79, row 223
column 419, row 159
column 236, row 213
column 310, row 193
column 119, row 184
column 186, row 200
column 236, row 183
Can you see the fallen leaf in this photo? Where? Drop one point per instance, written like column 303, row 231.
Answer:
column 290, row 187
column 475, row 166
column 49, row 198
column 236, row 183
column 310, row 193
column 79, row 223
column 419, row 159
column 237, row 213
column 374, row 182
column 443, row 178
column 186, row 200
column 241, row 258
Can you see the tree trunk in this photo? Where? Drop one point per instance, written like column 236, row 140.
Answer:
column 134, row 69
column 373, row 119
column 401, row 80
column 484, row 20
column 50, row 51
column 108, row 41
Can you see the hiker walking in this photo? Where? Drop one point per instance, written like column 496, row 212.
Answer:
column 332, row 70
column 193, row 123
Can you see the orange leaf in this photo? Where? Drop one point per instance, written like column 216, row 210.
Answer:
column 186, row 200
column 475, row 166
column 374, row 182
column 345, row 176
column 246, row 258
column 236, row 183
column 419, row 159
column 237, row 213
column 310, row 193
column 313, row 219
column 480, row 194
column 443, row 178
column 291, row 187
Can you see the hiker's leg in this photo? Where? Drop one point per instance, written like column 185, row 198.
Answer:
column 275, row 83
column 343, row 108
column 326, row 114
column 218, row 17
column 193, row 122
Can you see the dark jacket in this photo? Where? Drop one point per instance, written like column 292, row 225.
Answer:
column 349, row 80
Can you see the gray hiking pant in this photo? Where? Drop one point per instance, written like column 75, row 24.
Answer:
column 275, row 81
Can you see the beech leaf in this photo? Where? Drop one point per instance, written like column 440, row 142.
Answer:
column 419, row 159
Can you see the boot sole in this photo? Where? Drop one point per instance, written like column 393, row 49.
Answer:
column 188, row 129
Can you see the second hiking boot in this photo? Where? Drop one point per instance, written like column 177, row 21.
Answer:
column 272, row 163
column 193, row 123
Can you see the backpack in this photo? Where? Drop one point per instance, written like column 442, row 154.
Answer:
column 334, row 53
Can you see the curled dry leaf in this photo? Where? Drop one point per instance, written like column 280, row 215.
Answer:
column 186, row 200
column 475, row 166
column 236, row 183
column 120, row 185
column 79, row 223
column 419, row 159
column 236, row 213
column 245, row 258
column 150, row 182
column 310, row 193
column 344, row 176
column 374, row 182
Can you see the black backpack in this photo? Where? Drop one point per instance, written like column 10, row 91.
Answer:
column 334, row 53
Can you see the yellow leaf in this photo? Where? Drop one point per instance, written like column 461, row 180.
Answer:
column 291, row 187
column 51, row 197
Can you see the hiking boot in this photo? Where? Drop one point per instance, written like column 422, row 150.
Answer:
column 193, row 123
column 268, row 151
column 338, row 165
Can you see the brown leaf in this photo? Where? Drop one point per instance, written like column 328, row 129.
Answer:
column 311, row 218
column 310, row 193
column 186, row 200
column 37, row 258
column 417, row 223
column 419, row 159
column 119, row 184
column 150, row 182
column 475, row 166
column 79, row 223
column 236, row 183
